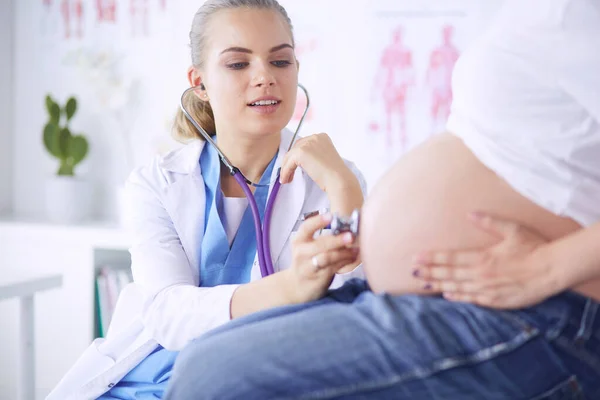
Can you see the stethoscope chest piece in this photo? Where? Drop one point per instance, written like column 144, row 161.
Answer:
column 350, row 224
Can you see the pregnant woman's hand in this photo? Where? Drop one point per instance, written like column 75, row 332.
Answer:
column 510, row 274
column 316, row 260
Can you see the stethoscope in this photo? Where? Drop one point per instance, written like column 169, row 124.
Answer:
column 263, row 246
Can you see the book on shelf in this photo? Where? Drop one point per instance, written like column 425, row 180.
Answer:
column 109, row 283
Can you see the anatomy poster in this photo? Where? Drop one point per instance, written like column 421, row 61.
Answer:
column 78, row 19
column 413, row 51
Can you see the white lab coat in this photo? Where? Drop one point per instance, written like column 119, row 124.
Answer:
column 165, row 304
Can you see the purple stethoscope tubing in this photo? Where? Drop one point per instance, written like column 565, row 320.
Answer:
column 263, row 242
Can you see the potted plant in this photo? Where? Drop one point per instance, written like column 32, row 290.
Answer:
column 68, row 198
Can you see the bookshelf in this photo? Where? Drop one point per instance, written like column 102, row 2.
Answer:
column 112, row 271
column 66, row 319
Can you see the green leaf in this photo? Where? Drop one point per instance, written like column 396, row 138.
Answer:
column 49, row 102
column 63, row 142
column 70, row 108
column 53, row 110
column 54, row 113
column 51, row 132
column 78, row 148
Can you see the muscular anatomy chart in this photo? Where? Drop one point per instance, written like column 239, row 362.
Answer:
column 139, row 13
column 413, row 50
column 76, row 18
column 396, row 74
column 72, row 14
column 106, row 10
column 439, row 78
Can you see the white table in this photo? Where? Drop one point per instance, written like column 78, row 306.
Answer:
column 25, row 289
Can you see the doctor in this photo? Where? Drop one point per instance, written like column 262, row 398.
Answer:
column 194, row 254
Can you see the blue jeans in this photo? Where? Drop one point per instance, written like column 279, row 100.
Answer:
column 355, row 344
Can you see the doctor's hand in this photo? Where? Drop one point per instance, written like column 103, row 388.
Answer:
column 316, row 260
column 317, row 156
column 510, row 274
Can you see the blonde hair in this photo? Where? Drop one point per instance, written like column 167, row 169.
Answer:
column 198, row 109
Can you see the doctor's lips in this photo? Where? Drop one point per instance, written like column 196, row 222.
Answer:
column 264, row 101
column 265, row 104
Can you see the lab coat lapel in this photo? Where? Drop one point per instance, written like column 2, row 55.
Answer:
column 286, row 212
column 185, row 200
column 288, row 204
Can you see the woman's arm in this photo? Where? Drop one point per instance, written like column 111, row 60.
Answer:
column 345, row 197
column 575, row 259
column 317, row 156
column 522, row 269
column 175, row 309
column 342, row 184
column 346, row 194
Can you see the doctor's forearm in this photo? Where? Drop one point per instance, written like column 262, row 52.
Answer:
column 344, row 198
column 345, row 195
column 260, row 295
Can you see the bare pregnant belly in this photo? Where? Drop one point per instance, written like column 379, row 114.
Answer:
column 440, row 183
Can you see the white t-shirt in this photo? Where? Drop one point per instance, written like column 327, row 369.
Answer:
column 527, row 103
column 234, row 209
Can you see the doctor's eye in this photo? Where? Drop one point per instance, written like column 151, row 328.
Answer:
column 281, row 63
column 238, row 65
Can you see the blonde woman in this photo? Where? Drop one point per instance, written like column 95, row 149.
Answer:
column 194, row 251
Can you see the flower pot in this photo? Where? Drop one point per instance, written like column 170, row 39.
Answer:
column 68, row 199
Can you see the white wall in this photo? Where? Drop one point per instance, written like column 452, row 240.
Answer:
column 6, row 102
column 338, row 59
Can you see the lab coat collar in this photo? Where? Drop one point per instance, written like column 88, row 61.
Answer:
column 185, row 160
